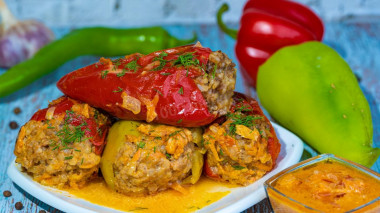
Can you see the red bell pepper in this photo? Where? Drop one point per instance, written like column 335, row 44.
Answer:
column 157, row 87
column 92, row 130
column 267, row 26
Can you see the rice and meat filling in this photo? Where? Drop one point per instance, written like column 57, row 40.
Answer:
column 238, row 148
column 156, row 160
column 218, row 84
column 58, row 150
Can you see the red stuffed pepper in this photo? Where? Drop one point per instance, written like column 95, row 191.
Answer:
column 265, row 27
column 61, row 145
column 186, row 86
column 242, row 146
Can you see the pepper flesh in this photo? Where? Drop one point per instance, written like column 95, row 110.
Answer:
column 95, row 133
column 100, row 41
column 267, row 26
column 320, row 100
column 134, row 95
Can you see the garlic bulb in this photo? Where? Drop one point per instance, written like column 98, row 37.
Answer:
column 20, row 40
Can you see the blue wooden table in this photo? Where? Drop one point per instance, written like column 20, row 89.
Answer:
column 358, row 41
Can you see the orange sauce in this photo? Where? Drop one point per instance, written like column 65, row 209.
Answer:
column 328, row 186
column 202, row 194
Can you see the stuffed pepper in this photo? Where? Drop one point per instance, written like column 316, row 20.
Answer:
column 142, row 158
column 187, row 86
column 61, row 145
column 242, row 146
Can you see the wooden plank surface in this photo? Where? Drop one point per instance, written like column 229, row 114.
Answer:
column 357, row 41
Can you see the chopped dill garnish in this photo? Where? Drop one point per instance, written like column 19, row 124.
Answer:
column 140, row 145
column 68, row 157
column 104, row 74
column 180, row 91
column 81, row 161
column 132, row 65
column 165, row 73
column 158, row 91
column 244, row 109
column 162, row 61
column 221, row 153
column 179, row 121
column 154, row 149
column 186, row 60
column 238, row 167
column 214, row 70
column 119, row 90
column 174, row 133
column 70, row 134
column 240, row 119
column 168, row 156
column 77, row 150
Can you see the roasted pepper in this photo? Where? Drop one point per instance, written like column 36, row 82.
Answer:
column 311, row 90
column 164, row 86
column 267, row 26
column 88, row 41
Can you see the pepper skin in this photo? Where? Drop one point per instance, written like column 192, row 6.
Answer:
column 320, row 100
column 92, row 130
column 87, row 41
column 167, row 95
column 265, row 27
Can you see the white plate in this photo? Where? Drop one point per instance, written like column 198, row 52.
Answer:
column 238, row 200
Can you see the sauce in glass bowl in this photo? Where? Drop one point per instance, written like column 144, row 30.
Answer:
column 325, row 184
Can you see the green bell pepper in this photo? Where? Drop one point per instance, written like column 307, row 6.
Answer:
column 311, row 90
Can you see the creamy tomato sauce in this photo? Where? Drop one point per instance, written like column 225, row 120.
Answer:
column 202, row 194
column 329, row 186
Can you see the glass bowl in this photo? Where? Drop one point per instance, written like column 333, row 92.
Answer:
column 325, row 183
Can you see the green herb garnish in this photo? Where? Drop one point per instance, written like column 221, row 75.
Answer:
column 68, row 157
column 180, row 91
column 158, row 91
column 165, row 73
column 140, row 145
column 119, row 90
column 214, row 70
column 168, row 156
column 162, row 61
column 132, row 65
column 240, row 119
column 238, row 167
column 104, row 74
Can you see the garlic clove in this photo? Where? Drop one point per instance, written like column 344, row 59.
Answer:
column 20, row 40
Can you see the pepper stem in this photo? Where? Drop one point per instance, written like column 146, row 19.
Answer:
column 231, row 32
column 7, row 18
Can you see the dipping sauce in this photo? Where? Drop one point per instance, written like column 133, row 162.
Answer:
column 327, row 186
column 203, row 193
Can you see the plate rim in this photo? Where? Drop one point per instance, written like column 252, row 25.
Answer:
column 48, row 196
